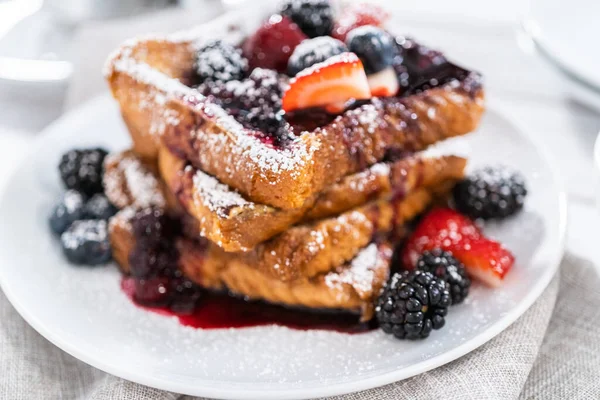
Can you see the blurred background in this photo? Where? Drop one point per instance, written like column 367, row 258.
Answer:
column 539, row 59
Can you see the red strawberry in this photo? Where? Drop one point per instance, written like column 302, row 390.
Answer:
column 273, row 43
column 358, row 15
column 444, row 228
column 339, row 79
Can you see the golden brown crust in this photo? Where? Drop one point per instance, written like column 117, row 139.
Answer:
column 146, row 78
column 131, row 181
column 353, row 286
column 309, row 250
column 320, row 158
column 243, row 226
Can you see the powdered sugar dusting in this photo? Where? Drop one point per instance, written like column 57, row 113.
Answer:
column 217, row 196
column 360, row 274
column 128, row 182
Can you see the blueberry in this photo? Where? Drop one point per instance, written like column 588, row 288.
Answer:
column 374, row 46
column 98, row 207
column 81, row 169
column 69, row 210
column 314, row 17
column 86, row 242
column 220, row 61
column 313, row 51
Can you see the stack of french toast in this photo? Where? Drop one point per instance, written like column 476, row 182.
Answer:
column 308, row 217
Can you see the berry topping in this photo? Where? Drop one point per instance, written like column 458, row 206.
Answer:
column 447, row 268
column 154, row 264
column 313, row 51
column 220, row 61
column 147, row 260
column 384, row 83
column 491, row 192
column 152, row 225
column 357, row 15
column 152, row 291
column 339, row 79
column 86, row 242
column 98, row 207
column 412, row 304
column 82, row 170
column 446, row 229
column 374, row 46
column 69, row 210
column 418, row 58
column 314, row 17
column 255, row 102
column 272, row 45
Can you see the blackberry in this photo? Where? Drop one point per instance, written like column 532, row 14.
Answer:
column 86, row 242
column 220, row 61
column 99, row 207
column 82, row 170
column 313, row 51
column 69, row 210
column 447, row 268
column 490, row 193
column 146, row 261
column 151, row 227
column 314, row 17
column 412, row 304
column 255, row 102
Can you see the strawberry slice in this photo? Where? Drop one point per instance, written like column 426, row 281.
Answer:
column 443, row 228
column 273, row 44
column 337, row 80
column 357, row 15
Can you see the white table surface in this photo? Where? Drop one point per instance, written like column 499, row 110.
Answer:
column 482, row 35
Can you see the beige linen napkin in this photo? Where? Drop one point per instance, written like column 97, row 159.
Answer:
column 544, row 355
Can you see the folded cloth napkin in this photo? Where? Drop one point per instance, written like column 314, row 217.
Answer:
column 551, row 352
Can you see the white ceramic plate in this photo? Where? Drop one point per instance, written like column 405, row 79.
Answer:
column 84, row 312
column 567, row 32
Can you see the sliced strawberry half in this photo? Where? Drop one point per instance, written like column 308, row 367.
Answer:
column 339, row 79
column 273, row 44
column 384, row 83
column 357, row 15
column 484, row 259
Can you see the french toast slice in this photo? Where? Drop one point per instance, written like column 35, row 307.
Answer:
column 352, row 286
column 149, row 78
column 236, row 224
column 132, row 181
column 313, row 248
column 304, row 251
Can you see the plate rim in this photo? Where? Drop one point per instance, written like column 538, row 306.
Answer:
column 334, row 389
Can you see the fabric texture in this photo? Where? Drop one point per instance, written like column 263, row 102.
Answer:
column 551, row 352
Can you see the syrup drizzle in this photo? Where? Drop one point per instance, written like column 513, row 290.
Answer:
column 221, row 311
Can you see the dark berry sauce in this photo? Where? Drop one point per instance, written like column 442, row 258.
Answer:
column 255, row 101
column 221, row 311
column 156, row 283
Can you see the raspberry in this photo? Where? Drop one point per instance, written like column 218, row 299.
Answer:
column 272, row 45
